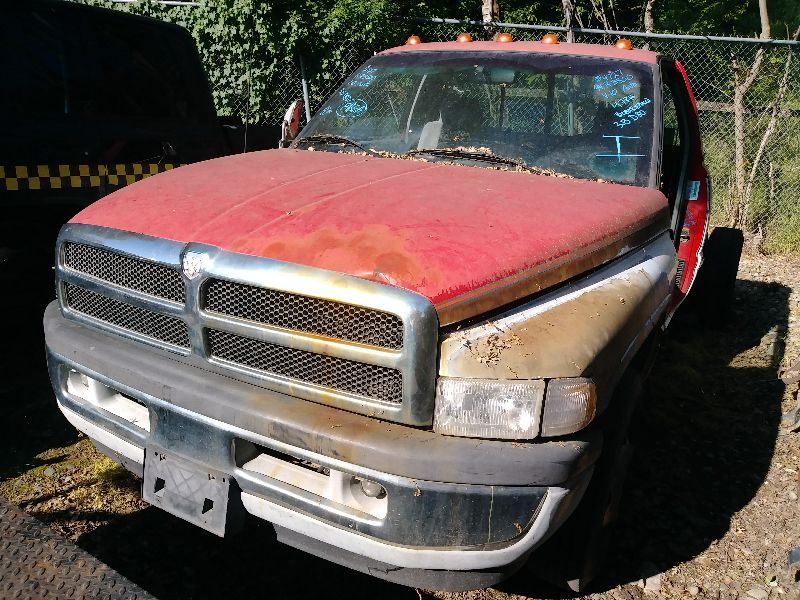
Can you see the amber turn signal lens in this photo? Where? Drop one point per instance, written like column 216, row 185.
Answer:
column 464, row 37
column 623, row 44
column 504, row 37
column 569, row 406
column 414, row 39
column 550, row 38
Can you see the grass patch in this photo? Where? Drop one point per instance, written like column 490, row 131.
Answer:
column 75, row 487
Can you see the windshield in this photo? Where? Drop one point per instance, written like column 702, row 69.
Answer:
column 584, row 117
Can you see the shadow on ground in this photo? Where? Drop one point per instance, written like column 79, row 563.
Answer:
column 31, row 421
column 172, row 559
column 704, row 437
column 704, row 440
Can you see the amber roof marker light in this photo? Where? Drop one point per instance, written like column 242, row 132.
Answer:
column 550, row 38
column 623, row 44
column 414, row 39
column 504, row 37
column 464, row 37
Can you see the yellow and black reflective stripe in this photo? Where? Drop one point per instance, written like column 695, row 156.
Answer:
column 56, row 177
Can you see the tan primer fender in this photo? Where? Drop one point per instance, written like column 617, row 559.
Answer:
column 592, row 327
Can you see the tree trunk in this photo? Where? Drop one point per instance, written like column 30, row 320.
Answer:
column 770, row 129
column 735, row 217
column 648, row 16
column 490, row 11
column 780, row 95
column 743, row 79
column 569, row 10
column 599, row 11
column 766, row 31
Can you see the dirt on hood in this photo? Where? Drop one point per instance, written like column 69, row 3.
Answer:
column 443, row 231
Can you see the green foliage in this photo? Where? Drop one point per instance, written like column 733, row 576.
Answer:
column 715, row 17
column 250, row 48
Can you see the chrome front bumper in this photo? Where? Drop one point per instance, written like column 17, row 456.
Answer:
column 454, row 504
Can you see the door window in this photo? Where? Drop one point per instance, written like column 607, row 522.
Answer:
column 674, row 136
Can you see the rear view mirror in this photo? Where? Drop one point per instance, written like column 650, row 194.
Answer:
column 502, row 75
column 291, row 122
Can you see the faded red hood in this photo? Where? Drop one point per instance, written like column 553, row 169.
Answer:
column 467, row 238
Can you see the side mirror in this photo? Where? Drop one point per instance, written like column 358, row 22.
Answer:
column 291, row 122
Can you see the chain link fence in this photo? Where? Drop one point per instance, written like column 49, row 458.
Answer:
column 747, row 93
column 285, row 85
column 347, row 57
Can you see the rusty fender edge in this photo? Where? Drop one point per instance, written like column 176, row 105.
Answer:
column 395, row 449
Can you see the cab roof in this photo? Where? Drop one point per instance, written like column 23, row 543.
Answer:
column 598, row 50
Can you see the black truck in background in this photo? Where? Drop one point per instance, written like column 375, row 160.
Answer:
column 93, row 99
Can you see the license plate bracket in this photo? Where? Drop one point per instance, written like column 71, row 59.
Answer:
column 192, row 492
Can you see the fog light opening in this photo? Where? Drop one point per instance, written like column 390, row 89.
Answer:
column 372, row 489
column 94, row 392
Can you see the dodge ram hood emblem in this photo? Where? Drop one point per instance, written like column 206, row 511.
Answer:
column 194, row 263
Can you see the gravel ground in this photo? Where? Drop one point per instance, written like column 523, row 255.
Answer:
column 711, row 506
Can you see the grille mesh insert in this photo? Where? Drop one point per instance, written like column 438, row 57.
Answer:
column 132, row 273
column 145, row 322
column 372, row 381
column 304, row 313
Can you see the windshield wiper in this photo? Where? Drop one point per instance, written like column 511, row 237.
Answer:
column 330, row 138
column 470, row 155
column 482, row 156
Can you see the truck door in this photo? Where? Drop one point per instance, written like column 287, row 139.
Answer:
column 683, row 176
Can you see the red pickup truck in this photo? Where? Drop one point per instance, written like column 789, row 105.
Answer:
column 413, row 340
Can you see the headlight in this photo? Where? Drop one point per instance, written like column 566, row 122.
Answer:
column 513, row 409
column 488, row 408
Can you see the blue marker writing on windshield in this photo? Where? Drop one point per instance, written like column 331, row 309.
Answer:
column 619, row 155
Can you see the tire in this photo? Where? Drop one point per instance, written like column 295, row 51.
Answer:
column 574, row 555
column 714, row 290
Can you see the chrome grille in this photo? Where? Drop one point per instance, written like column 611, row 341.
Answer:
column 268, row 323
column 145, row 322
column 304, row 313
column 131, row 273
column 372, row 381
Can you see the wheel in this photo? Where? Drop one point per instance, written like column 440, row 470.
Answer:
column 574, row 555
column 714, row 290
